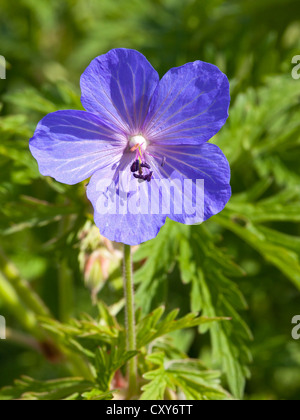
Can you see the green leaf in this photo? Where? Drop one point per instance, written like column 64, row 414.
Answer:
column 97, row 395
column 267, row 242
column 31, row 99
column 152, row 327
column 82, row 336
column 30, row 389
column 108, row 362
column 188, row 377
column 220, row 297
column 151, row 277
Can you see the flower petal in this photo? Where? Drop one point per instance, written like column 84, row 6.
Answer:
column 71, row 145
column 123, row 216
column 189, row 106
column 118, row 86
column 202, row 174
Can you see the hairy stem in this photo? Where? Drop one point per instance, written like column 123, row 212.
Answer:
column 130, row 319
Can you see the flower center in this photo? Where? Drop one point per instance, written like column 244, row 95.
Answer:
column 136, row 142
column 140, row 168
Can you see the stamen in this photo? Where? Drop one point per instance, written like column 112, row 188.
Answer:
column 163, row 162
column 140, row 154
column 146, row 177
column 138, row 176
column 149, row 176
column 135, row 147
column 145, row 165
column 139, row 164
column 135, row 166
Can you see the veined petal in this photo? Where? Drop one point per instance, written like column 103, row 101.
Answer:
column 200, row 177
column 118, row 86
column 123, row 216
column 189, row 106
column 71, row 145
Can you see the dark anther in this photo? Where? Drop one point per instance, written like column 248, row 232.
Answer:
column 135, row 166
column 149, row 177
column 138, row 176
column 145, row 165
column 163, row 161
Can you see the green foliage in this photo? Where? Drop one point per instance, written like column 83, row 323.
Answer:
column 189, row 376
column 151, row 327
column 107, row 364
column 205, row 268
column 101, row 347
column 61, row 389
column 238, row 271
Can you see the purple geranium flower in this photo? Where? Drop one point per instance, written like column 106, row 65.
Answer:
column 143, row 142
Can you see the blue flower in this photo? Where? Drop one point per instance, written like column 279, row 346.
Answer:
column 143, row 142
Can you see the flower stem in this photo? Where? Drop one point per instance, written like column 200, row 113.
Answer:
column 130, row 319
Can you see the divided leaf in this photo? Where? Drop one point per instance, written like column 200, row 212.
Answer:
column 187, row 377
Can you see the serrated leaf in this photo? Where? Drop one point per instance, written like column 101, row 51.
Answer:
column 189, row 377
column 151, row 277
column 284, row 259
column 97, row 395
column 152, row 327
column 108, row 362
column 30, row 389
column 220, row 297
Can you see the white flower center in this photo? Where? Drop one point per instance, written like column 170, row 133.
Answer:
column 138, row 141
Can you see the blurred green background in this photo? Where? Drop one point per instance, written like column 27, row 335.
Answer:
column 44, row 225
